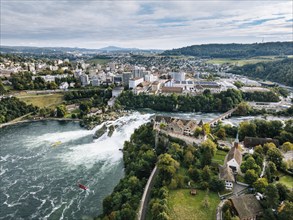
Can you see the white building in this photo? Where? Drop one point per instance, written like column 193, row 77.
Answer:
column 96, row 81
column 126, row 76
column 234, row 158
column 231, row 165
column 112, row 66
column 77, row 73
column 177, row 76
column 117, row 91
column 84, row 80
column 64, row 86
column 150, row 78
column 134, row 82
column 139, row 72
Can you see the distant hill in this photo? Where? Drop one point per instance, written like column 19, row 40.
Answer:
column 114, row 48
column 278, row 71
column 54, row 50
column 234, row 50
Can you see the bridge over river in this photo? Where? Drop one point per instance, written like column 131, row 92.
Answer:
column 227, row 114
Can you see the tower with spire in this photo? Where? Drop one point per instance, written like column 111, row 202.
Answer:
column 236, row 142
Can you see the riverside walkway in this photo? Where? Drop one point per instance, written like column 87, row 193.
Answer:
column 146, row 195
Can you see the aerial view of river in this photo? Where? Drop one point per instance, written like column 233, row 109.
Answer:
column 42, row 162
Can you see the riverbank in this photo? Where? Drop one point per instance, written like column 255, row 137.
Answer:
column 36, row 120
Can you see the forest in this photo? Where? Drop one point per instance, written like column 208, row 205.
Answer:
column 277, row 71
column 207, row 102
column 234, row 50
column 11, row 108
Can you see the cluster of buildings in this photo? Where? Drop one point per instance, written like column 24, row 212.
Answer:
column 176, row 125
column 8, row 66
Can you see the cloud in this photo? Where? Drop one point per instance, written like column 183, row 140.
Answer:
column 143, row 24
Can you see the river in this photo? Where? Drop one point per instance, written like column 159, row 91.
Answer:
column 38, row 178
column 39, row 181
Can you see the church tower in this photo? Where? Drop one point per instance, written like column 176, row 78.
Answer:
column 236, row 142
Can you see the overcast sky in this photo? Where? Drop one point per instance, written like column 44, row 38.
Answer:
column 143, row 24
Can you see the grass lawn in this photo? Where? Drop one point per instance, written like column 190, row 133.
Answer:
column 219, row 157
column 46, row 100
column 287, row 180
column 100, row 61
column 7, row 88
column 242, row 62
column 183, row 206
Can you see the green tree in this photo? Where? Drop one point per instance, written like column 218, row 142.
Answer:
column 287, row 146
column 250, row 177
column 275, row 156
column 258, row 149
column 188, row 158
column 167, row 167
column 268, row 146
column 61, row 111
column 283, row 191
column 272, row 196
column 250, row 164
column 243, row 109
column 206, row 174
column 247, row 129
column 194, row 174
column 221, row 133
column 206, row 128
column 217, row 185
column 2, row 88
column 260, row 184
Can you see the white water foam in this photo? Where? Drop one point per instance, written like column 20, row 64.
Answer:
column 105, row 148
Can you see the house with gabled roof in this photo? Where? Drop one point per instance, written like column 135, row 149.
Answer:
column 247, row 207
column 231, row 165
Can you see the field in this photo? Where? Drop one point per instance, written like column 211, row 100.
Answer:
column 46, row 100
column 183, row 206
column 287, row 180
column 241, row 62
column 220, row 157
column 100, row 61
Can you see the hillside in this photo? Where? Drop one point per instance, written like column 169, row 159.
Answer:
column 234, row 50
column 277, row 71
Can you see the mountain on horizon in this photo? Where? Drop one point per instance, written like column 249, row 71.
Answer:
column 114, row 48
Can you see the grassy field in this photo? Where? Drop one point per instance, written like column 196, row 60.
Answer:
column 220, row 157
column 183, row 206
column 241, row 62
column 100, row 61
column 46, row 100
column 287, row 180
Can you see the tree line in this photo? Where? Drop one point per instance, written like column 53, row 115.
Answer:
column 234, row 50
column 264, row 129
column 11, row 108
column 24, row 81
column 207, row 102
column 278, row 71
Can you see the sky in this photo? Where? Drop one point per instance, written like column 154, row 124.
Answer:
column 143, row 24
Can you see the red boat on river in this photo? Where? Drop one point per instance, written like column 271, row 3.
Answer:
column 82, row 186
